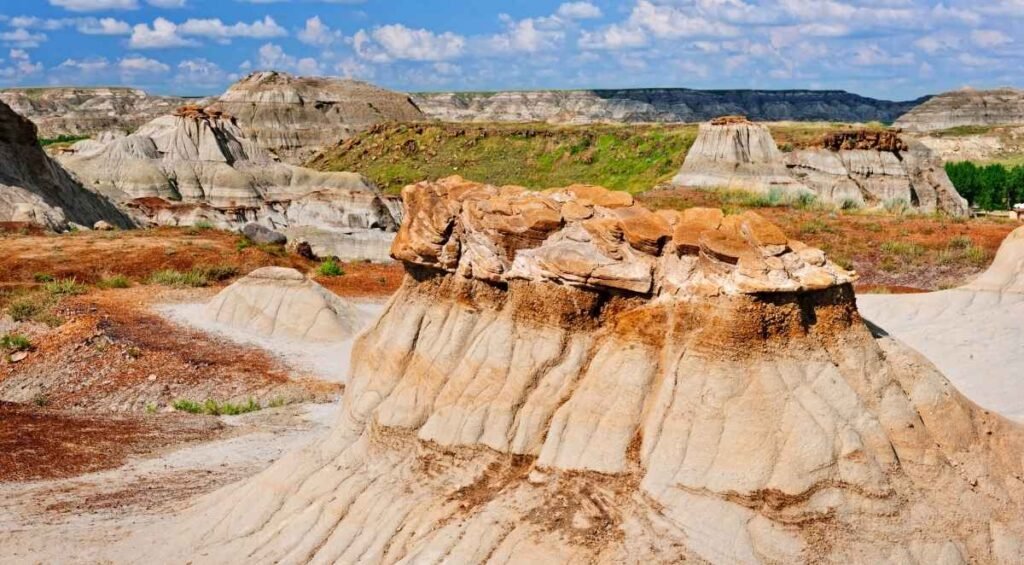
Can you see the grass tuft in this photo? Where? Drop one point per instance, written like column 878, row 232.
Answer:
column 330, row 268
column 115, row 281
column 64, row 287
column 15, row 342
column 214, row 408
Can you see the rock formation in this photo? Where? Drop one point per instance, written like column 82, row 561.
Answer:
column 87, row 111
column 972, row 333
column 36, row 190
column 736, row 154
column 197, row 165
column 862, row 167
column 966, row 107
column 569, row 377
column 295, row 116
column 657, row 105
column 281, row 302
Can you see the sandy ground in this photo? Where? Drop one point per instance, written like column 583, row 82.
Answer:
column 327, row 361
column 89, row 510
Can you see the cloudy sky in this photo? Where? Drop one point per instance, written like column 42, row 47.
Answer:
column 895, row 49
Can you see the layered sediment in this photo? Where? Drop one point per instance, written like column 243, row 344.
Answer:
column 36, row 190
column 863, row 168
column 966, row 107
column 568, row 377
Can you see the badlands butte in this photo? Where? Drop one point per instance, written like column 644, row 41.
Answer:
column 315, row 320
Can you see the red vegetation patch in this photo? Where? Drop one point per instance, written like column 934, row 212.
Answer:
column 42, row 444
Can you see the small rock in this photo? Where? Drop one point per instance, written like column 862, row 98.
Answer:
column 152, row 378
column 102, row 226
column 537, row 477
column 263, row 235
column 19, row 356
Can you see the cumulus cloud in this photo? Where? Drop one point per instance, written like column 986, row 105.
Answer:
column 87, row 66
column 529, row 35
column 103, row 26
column 613, row 37
column 203, row 73
column 216, row 29
column 318, row 33
column 141, row 65
column 22, row 38
column 396, row 41
column 167, row 4
column 273, row 57
column 989, row 38
column 873, row 55
column 95, row 5
column 579, row 11
column 19, row 66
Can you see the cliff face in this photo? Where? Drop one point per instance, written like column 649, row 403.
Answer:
column 295, row 116
column 658, row 105
column 36, row 190
column 567, row 377
column 966, row 107
column 866, row 168
column 198, row 165
column 87, row 111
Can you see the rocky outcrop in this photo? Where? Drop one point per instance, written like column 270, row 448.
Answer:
column 657, row 105
column 859, row 167
column 293, row 117
column 736, row 154
column 972, row 333
column 198, row 166
column 87, row 111
column 966, row 107
column 550, row 416
column 282, row 303
column 36, row 190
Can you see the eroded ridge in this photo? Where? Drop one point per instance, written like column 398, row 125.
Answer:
column 510, row 406
column 589, row 237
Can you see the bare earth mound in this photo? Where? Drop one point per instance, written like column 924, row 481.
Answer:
column 973, row 333
column 281, row 302
column 566, row 376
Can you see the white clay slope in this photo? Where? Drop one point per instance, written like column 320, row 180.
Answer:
column 974, row 334
column 281, row 302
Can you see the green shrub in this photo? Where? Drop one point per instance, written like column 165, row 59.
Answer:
column 171, row 277
column 15, row 342
column 243, row 243
column 217, row 273
column 330, row 268
column 904, row 249
column 64, row 287
column 43, row 277
column 961, row 242
column 214, row 408
column 25, row 309
column 115, row 281
column 896, row 206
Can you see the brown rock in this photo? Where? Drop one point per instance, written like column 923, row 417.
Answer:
column 694, row 222
column 599, row 196
column 574, row 211
column 724, row 246
column 643, row 229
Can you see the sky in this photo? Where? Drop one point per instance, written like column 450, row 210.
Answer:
column 891, row 49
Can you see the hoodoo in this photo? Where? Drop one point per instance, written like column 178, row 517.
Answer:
column 197, row 165
column 859, row 167
column 566, row 376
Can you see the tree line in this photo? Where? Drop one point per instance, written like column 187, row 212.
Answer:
column 989, row 187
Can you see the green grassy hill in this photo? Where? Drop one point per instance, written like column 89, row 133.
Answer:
column 632, row 158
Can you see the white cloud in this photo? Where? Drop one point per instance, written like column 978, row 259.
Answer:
column 22, row 38
column 989, row 38
column 318, row 33
column 89, row 66
column 399, row 42
column 141, row 65
column 166, row 3
column 164, row 33
column 579, row 11
column 352, row 68
column 216, row 29
column 613, row 37
column 529, row 35
column 103, row 26
column 273, row 57
column 201, row 72
column 873, row 55
column 95, row 5
column 20, row 66
column 670, row 22
column 935, row 43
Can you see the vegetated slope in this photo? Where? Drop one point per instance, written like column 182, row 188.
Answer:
column 657, row 105
column 632, row 158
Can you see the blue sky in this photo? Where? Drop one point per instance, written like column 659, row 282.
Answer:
column 895, row 49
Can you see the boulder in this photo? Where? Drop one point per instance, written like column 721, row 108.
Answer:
column 263, row 235
column 102, row 226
